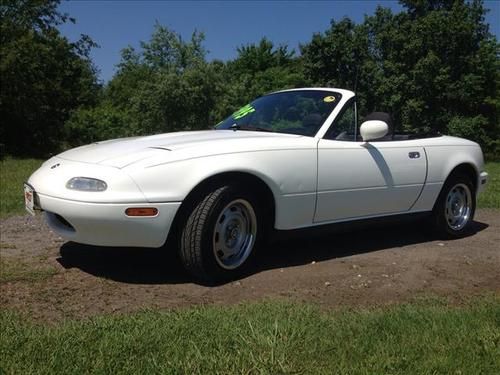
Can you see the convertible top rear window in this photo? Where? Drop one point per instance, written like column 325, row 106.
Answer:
column 294, row 112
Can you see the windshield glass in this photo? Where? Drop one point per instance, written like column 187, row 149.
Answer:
column 293, row 112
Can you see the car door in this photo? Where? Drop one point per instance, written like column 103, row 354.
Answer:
column 363, row 179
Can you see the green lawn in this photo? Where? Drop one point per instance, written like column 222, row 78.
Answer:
column 266, row 338
column 13, row 269
column 491, row 197
column 15, row 171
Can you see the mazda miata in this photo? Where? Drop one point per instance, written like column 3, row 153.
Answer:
column 291, row 159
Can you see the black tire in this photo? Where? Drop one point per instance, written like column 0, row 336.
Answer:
column 445, row 223
column 206, row 226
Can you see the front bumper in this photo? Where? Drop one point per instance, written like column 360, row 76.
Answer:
column 106, row 224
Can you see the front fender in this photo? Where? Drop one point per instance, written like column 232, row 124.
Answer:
column 290, row 175
column 172, row 181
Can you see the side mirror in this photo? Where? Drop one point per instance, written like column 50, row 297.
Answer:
column 373, row 129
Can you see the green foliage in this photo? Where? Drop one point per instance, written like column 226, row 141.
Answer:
column 43, row 76
column 169, row 86
column 335, row 57
column 171, row 102
column 254, row 58
column 472, row 128
column 265, row 338
column 166, row 86
column 261, row 68
column 434, row 67
column 166, row 50
column 99, row 123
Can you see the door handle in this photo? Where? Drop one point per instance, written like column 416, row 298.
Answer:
column 414, row 155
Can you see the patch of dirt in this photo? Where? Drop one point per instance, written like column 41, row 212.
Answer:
column 372, row 266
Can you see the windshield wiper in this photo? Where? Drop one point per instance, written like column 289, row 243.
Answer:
column 250, row 128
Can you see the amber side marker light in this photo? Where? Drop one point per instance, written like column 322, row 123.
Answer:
column 141, row 211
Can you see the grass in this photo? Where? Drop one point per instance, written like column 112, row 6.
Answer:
column 490, row 198
column 13, row 172
column 265, row 338
column 15, row 270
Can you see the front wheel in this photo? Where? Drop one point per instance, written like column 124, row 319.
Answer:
column 220, row 236
column 454, row 210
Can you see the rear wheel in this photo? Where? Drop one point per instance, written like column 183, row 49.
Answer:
column 454, row 210
column 221, row 234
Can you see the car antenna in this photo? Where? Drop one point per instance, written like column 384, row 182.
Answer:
column 356, row 80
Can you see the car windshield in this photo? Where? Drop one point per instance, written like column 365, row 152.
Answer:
column 293, row 112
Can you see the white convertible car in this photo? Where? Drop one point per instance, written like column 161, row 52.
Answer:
column 288, row 160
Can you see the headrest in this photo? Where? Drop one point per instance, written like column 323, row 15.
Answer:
column 381, row 116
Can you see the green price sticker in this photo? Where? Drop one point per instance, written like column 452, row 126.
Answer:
column 242, row 112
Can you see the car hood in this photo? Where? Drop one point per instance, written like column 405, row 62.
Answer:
column 180, row 145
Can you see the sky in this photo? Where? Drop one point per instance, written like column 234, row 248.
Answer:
column 227, row 25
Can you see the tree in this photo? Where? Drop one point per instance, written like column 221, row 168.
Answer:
column 44, row 77
column 341, row 58
column 166, row 85
column 434, row 67
column 254, row 58
column 257, row 70
column 166, row 50
column 172, row 102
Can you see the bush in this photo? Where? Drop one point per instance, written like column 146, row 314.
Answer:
column 103, row 122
